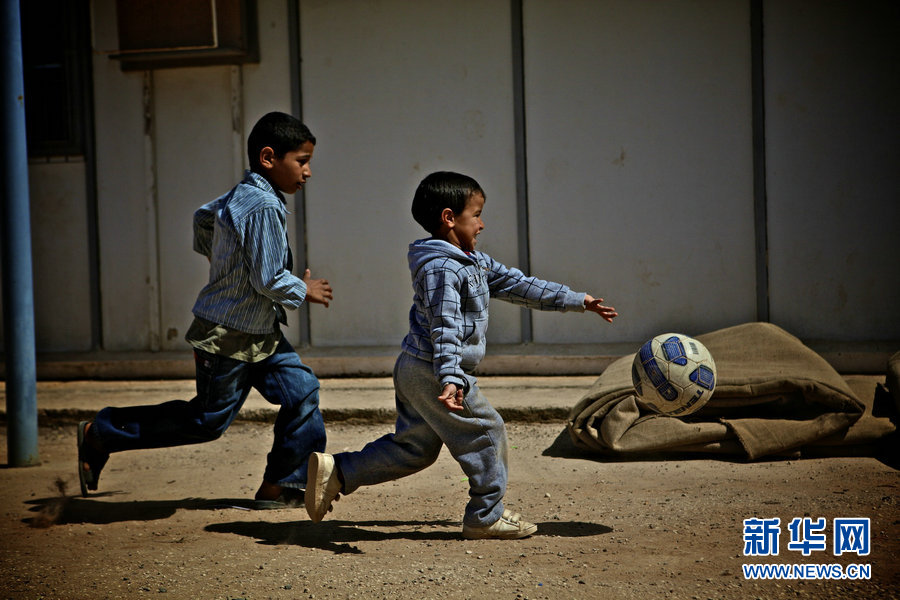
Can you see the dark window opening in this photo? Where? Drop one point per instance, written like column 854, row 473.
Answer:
column 55, row 63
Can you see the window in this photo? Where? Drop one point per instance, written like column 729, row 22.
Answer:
column 159, row 34
column 56, row 69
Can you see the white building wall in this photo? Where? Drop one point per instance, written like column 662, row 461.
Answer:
column 833, row 157
column 640, row 163
column 59, row 246
column 395, row 90
column 154, row 172
column 122, row 191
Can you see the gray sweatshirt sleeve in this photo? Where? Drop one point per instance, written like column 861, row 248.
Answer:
column 514, row 286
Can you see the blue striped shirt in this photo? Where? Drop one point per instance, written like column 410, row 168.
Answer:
column 244, row 235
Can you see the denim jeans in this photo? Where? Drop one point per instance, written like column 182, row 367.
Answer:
column 475, row 436
column 222, row 387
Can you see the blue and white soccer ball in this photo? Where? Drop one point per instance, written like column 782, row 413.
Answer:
column 673, row 374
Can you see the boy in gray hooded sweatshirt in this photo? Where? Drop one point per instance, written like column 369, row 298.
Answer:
column 437, row 398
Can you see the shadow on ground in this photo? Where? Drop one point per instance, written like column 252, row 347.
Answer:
column 333, row 535
column 339, row 536
column 60, row 510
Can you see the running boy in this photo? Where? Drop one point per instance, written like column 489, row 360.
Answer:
column 438, row 400
column 236, row 332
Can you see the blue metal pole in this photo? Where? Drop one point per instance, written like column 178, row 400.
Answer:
column 18, row 296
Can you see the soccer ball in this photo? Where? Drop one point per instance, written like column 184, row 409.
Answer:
column 673, row 374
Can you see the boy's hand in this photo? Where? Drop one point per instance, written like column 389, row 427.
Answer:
column 452, row 397
column 595, row 305
column 317, row 290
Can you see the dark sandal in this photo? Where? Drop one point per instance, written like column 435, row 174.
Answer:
column 287, row 497
column 94, row 459
column 291, row 497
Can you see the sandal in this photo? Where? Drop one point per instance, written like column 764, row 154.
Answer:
column 95, row 460
column 285, row 496
column 292, row 497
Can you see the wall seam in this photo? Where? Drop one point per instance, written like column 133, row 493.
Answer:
column 152, row 210
column 299, row 247
column 521, row 157
column 760, row 199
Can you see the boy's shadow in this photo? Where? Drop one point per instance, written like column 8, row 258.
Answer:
column 60, row 510
column 339, row 536
column 334, row 536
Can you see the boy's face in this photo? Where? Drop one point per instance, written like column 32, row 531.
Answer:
column 290, row 172
column 465, row 227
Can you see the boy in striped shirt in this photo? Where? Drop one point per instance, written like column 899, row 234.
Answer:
column 236, row 334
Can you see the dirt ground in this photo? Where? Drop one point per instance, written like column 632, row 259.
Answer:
column 179, row 523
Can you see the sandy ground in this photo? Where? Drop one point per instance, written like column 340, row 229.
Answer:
column 179, row 523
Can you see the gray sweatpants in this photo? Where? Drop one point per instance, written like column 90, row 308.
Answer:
column 475, row 436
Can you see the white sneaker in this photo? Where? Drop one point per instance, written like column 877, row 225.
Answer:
column 510, row 526
column 322, row 485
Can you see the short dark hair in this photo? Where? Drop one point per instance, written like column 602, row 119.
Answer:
column 281, row 132
column 440, row 190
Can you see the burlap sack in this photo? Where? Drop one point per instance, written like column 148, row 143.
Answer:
column 773, row 395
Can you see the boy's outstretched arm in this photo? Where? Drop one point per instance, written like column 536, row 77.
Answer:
column 596, row 305
column 317, row 290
